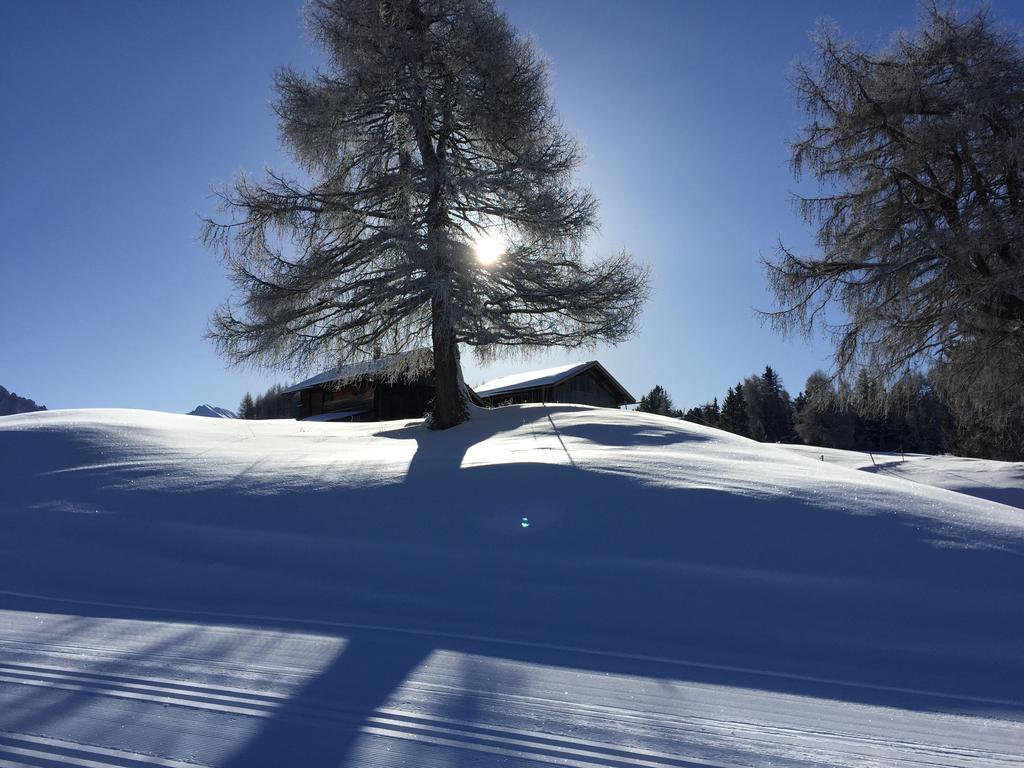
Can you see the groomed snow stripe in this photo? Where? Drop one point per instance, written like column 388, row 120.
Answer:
column 58, row 750
column 262, row 699
column 680, row 725
column 144, row 683
column 490, row 640
column 392, row 723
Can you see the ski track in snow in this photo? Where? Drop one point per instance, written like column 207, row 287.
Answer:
column 206, row 698
column 283, row 594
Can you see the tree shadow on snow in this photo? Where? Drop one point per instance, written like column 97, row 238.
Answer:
column 608, row 574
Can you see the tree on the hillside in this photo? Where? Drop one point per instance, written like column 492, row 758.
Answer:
column 988, row 419
column 799, row 403
column 440, row 208
column 769, row 409
column 273, row 404
column 822, row 419
column 656, row 401
column 708, row 414
column 917, row 414
column 868, row 406
column 711, row 413
column 734, row 412
column 993, row 431
column 920, row 226
column 776, row 407
column 247, row 408
column 752, row 401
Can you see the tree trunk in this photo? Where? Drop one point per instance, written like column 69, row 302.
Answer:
column 449, row 406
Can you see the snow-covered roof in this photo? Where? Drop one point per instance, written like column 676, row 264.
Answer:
column 529, row 379
column 546, row 377
column 357, row 370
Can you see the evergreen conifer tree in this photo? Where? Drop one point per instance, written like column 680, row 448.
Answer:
column 711, row 413
column 734, row 412
column 755, row 407
column 868, row 404
column 822, row 420
column 247, row 408
column 776, row 408
column 656, row 401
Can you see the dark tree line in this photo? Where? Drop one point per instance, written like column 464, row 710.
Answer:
column 272, row 404
column 908, row 414
column 758, row 407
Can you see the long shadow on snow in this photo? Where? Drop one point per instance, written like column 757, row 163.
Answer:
column 629, row 572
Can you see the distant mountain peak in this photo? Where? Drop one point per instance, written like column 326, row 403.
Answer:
column 212, row 411
column 10, row 403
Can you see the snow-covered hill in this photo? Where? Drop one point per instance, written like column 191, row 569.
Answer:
column 212, row 411
column 545, row 585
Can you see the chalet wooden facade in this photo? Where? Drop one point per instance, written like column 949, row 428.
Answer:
column 363, row 392
column 584, row 383
column 366, row 399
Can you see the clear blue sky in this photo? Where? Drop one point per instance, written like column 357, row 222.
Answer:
column 118, row 117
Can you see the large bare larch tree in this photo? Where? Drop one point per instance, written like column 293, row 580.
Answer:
column 438, row 206
column 920, row 151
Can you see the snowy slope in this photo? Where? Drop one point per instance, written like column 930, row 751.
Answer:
column 211, row 411
column 1001, row 481
column 545, row 585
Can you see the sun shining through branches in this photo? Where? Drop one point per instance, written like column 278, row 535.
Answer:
column 489, row 249
column 430, row 120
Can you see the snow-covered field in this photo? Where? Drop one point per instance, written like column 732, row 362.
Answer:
column 1001, row 481
column 545, row 585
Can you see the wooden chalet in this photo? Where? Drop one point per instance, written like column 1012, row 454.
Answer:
column 584, row 383
column 362, row 392
column 366, row 391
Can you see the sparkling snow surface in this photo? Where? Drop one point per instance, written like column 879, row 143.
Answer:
column 542, row 586
column 1001, row 481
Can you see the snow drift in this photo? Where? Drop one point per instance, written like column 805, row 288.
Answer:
column 601, row 540
column 1001, row 481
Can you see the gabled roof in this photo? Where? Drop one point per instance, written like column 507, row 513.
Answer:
column 548, row 377
column 529, row 380
column 356, row 370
